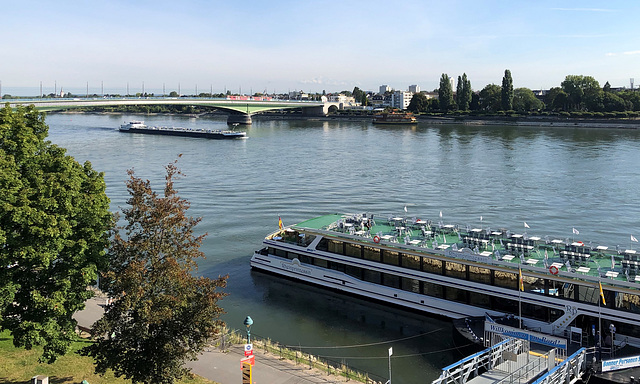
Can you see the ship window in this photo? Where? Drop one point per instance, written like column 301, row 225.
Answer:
column 336, row 266
column 431, row 289
column 432, row 266
column 320, row 262
column 629, row 302
column 505, row 305
column 588, row 294
column 534, row 311
column 456, row 270
column 390, row 257
column 411, row 261
column 323, row 245
column 372, row 254
column 353, row 250
column 353, row 271
column 479, row 274
column 305, row 259
column 280, row 252
column 411, row 285
column 506, row 279
column 479, row 299
column 304, row 240
column 336, row 247
column 372, row 276
column 533, row 284
column 391, row 280
column 455, row 294
column 292, row 255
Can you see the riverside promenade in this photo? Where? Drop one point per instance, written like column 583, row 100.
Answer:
column 224, row 367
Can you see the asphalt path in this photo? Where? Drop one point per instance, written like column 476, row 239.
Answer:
column 224, row 367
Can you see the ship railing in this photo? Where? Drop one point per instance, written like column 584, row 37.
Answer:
column 567, row 371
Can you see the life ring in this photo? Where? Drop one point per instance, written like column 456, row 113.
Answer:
column 376, row 239
column 553, row 270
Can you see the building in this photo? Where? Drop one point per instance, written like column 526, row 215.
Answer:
column 344, row 101
column 401, row 99
column 414, row 88
column 384, row 89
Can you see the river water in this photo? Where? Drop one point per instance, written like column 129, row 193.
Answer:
column 554, row 179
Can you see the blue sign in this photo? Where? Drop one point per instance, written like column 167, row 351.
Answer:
column 533, row 337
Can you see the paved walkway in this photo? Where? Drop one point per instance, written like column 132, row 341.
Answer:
column 224, row 368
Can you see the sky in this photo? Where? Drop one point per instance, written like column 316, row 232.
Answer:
column 285, row 45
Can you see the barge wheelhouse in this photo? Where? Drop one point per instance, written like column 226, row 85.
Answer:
column 444, row 269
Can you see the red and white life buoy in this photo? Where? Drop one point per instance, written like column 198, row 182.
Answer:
column 553, row 270
column 376, row 239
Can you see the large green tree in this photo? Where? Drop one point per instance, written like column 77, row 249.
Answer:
column 418, row 103
column 465, row 99
column 582, row 91
column 507, row 91
column 54, row 222
column 525, row 100
column 162, row 314
column 489, row 98
column 445, row 94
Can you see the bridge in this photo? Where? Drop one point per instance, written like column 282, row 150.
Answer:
column 240, row 111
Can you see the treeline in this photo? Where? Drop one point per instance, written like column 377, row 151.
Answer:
column 577, row 95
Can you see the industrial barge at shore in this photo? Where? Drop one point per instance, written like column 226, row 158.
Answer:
column 401, row 118
column 140, row 127
column 557, row 285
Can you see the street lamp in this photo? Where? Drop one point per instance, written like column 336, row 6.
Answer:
column 248, row 322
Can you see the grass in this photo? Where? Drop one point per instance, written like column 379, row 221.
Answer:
column 18, row 365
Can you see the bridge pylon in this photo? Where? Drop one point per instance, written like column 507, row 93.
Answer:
column 239, row 118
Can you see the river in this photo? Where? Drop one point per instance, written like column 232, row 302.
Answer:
column 554, row 179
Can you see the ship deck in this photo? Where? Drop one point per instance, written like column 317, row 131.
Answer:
column 567, row 257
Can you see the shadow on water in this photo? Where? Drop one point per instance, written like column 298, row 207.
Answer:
column 337, row 326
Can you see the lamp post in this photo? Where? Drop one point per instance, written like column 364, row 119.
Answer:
column 248, row 322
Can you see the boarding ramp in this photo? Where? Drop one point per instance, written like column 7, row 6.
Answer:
column 569, row 371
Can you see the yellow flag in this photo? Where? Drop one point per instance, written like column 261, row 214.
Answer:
column 521, row 280
column 280, row 223
column 602, row 294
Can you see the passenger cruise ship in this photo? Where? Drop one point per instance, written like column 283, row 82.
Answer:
column 557, row 285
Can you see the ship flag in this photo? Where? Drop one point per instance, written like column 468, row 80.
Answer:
column 280, row 225
column 405, row 208
column 602, row 294
column 576, row 232
column 440, row 214
column 526, row 225
column 521, row 280
column 613, row 262
column 390, row 351
column 634, row 239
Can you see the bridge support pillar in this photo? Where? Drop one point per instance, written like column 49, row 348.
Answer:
column 239, row 118
column 314, row 111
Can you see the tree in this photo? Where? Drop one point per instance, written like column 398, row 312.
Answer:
column 525, row 100
column 162, row 314
column 581, row 90
column 445, row 94
column 489, row 98
column 464, row 100
column 54, row 222
column 459, row 92
column 418, row 103
column 507, row 91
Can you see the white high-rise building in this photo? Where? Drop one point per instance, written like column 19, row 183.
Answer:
column 414, row 88
column 401, row 99
column 383, row 89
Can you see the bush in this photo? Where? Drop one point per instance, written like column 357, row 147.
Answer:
column 564, row 114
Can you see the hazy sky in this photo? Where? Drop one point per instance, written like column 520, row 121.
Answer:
column 313, row 45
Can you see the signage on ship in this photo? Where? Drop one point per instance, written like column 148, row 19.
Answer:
column 621, row 363
column 295, row 266
column 466, row 254
column 533, row 337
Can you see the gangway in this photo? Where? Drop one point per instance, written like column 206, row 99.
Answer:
column 511, row 361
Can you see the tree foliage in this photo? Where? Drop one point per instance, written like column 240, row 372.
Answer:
column 445, row 94
column 489, row 98
column 162, row 314
column 54, row 222
column 582, row 91
column 525, row 100
column 507, row 91
column 419, row 103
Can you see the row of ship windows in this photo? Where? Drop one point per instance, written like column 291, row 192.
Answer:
column 569, row 291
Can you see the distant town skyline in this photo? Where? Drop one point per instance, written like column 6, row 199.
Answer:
column 281, row 46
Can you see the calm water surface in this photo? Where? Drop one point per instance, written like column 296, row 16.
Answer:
column 555, row 179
